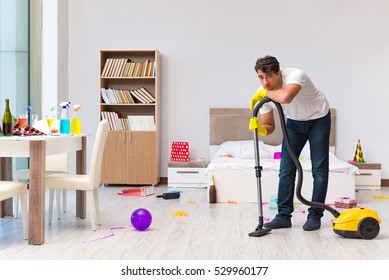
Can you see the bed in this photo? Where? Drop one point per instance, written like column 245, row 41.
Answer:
column 232, row 161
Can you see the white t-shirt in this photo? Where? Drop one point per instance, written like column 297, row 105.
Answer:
column 309, row 104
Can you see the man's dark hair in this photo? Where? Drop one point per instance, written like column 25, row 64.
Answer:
column 268, row 64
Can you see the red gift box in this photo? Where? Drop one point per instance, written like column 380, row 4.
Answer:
column 180, row 151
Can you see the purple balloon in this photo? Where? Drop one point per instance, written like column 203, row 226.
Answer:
column 141, row 219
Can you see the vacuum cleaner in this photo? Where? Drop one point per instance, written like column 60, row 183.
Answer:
column 354, row 223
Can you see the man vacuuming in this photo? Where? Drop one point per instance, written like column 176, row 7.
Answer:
column 308, row 119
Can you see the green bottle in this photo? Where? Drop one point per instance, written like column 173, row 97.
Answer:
column 7, row 120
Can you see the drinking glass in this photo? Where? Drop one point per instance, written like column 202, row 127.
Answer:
column 34, row 119
column 50, row 120
column 22, row 122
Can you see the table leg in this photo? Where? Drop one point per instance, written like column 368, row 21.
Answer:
column 6, row 175
column 81, row 169
column 36, row 223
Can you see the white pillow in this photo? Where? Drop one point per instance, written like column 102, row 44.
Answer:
column 243, row 149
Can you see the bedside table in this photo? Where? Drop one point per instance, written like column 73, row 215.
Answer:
column 368, row 176
column 187, row 174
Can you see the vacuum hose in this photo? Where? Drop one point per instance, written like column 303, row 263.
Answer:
column 294, row 158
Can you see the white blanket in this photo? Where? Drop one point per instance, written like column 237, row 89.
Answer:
column 239, row 155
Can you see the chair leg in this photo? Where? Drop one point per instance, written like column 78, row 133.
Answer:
column 97, row 206
column 90, row 198
column 51, row 202
column 64, row 200
column 58, row 202
column 16, row 206
column 23, row 205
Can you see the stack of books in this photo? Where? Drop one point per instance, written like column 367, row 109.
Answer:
column 127, row 96
column 125, row 67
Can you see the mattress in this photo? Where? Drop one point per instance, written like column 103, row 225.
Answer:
column 232, row 167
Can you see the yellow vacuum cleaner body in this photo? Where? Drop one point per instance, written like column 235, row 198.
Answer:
column 357, row 222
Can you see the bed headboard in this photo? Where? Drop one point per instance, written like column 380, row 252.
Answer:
column 232, row 124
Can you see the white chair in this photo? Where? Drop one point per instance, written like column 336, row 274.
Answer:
column 58, row 163
column 54, row 164
column 90, row 182
column 9, row 189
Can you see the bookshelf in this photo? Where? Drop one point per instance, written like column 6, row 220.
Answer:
column 129, row 98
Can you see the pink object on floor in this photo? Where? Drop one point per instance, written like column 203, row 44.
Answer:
column 277, row 155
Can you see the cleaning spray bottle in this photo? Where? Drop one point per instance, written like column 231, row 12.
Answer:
column 75, row 124
column 64, row 123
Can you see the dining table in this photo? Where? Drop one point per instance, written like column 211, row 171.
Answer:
column 36, row 148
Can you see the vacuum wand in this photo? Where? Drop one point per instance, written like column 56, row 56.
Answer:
column 259, row 231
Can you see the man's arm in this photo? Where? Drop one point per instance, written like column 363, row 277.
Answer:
column 267, row 120
column 285, row 95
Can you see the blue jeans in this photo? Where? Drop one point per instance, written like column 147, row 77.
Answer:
column 317, row 132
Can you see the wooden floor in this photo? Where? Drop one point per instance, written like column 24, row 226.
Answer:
column 209, row 232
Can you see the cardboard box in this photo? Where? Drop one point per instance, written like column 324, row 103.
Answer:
column 345, row 202
column 138, row 191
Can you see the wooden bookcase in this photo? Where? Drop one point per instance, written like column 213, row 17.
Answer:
column 130, row 156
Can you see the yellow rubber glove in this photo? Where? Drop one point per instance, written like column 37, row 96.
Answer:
column 255, row 124
column 261, row 94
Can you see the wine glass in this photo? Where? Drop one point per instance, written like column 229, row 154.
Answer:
column 22, row 122
column 50, row 121
column 34, row 119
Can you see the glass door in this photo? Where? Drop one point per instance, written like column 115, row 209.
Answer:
column 14, row 58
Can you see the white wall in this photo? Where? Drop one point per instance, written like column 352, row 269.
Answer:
column 208, row 50
column 49, row 56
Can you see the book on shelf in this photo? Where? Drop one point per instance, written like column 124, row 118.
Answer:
column 145, row 65
column 141, row 122
column 111, row 96
column 145, row 98
column 137, row 97
column 118, row 68
column 125, row 60
column 115, row 121
column 105, row 96
column 121, row 97
column 148, row 94
column 127, row 68
column 112, row 68
column 106, row 67
column 129, row 96
column 104, row 116
column 150, row 67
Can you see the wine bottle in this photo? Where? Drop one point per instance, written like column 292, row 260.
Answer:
column 212, row 192
column 7, row 120
column 170, row 195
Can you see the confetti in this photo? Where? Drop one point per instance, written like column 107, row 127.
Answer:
column 112, row 230
column 381, row 196
column 232, row 202
column 302, row 211
column 191, row 202
column 179, row 213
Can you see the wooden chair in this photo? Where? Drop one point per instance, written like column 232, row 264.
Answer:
column 89, row 183
column 9, row 189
